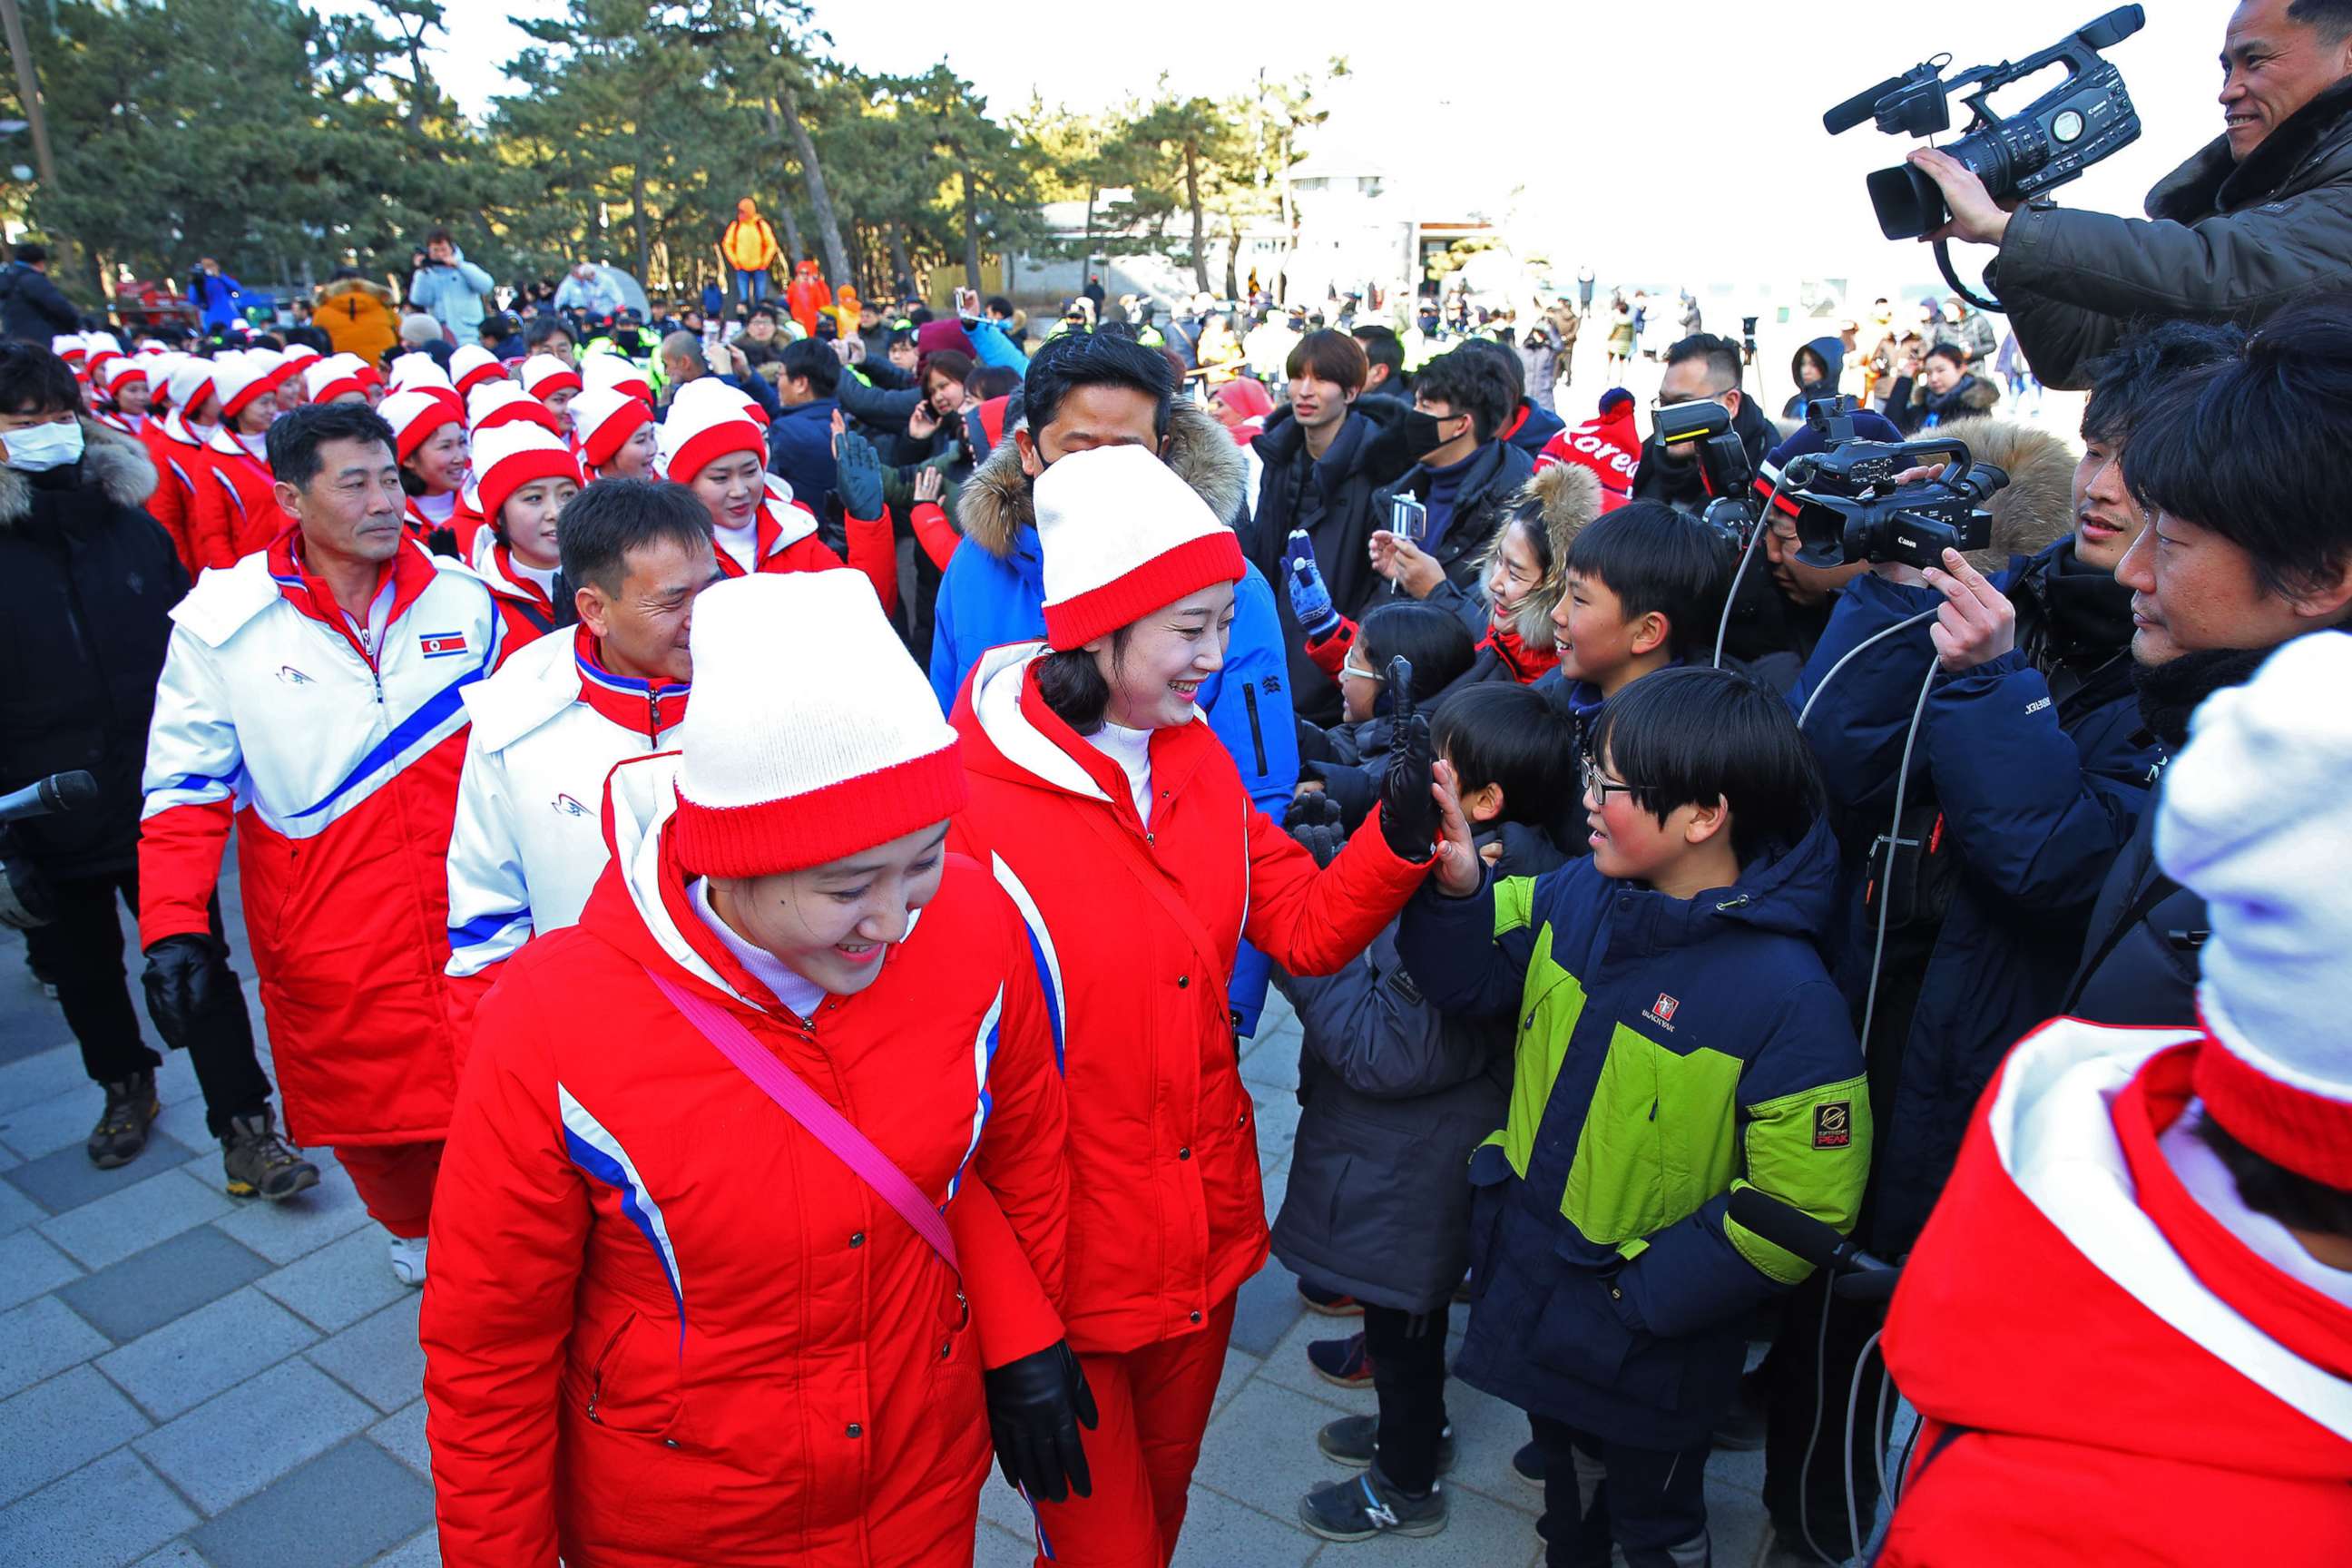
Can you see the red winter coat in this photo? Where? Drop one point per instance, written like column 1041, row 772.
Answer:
column 2108, row 1374
column 236, row 510
column 665, row 1325
column 1135, row 931
column 179, row 463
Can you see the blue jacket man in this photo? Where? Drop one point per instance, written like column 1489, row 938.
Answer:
column 800, row 447
column 993, row 592
column 450, row 289
column 217, row 295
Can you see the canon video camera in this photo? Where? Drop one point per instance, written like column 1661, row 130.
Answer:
column 1852, row 505
column 2049, row 141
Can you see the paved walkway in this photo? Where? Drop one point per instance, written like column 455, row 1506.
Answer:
column 187, row 1379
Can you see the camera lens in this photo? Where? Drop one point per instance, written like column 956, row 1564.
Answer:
column 1907, row 202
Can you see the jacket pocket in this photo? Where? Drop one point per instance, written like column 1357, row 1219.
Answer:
column 633, row 1386
column 1490, row 1186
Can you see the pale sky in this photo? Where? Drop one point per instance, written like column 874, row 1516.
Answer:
column 1688, row 147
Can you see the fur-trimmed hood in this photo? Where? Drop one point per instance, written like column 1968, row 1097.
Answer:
column 1567, row 496
column 116, row 463
column 2037, row 507
column 995, row 504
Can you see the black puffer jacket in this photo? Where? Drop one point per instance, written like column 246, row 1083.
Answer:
column 86, row 584
column 1394, row 1096
column 1499, row 472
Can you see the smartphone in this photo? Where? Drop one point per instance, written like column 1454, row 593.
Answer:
column 1407, row 518
column 967, row 302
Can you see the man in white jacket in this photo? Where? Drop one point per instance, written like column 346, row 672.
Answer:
column 530, row 843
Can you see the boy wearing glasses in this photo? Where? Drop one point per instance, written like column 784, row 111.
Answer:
column 1676, row 1035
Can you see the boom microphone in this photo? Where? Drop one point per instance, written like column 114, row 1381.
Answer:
column 59, row 792
column 1861, row 106
column 1793, row 1230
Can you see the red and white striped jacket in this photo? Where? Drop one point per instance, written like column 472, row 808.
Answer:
column 338, row 769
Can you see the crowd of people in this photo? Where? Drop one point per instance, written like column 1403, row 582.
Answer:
column 884, row 760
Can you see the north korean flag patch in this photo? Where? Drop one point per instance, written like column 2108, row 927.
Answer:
column 441, row 645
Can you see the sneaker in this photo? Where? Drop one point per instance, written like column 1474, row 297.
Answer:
column 1367, row 1506
column 122, row 1131
column 408, row 1259
column 1527, row 1464
column 1344, row 1362
column 259, row 1162
column 1354, row 1439
column 1331, row 1303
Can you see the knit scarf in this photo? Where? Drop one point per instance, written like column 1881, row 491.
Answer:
column 2170, row 692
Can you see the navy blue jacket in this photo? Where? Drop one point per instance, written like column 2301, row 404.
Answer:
column 800, row 449
column 1669, row 1049
column 2037, row 793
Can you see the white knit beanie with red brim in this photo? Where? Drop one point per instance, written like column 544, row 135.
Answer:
column 1123, row 535
column 845, row 751
column 2255, row 817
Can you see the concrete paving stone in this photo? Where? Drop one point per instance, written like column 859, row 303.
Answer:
column 1003, row 1507
column 177, row 1367
column 1220, row 1532
column 46, row 1126
column 149, row 1289
column 419, row 1551
column 17, row 1210
column 175, row 1081
column 44, row 1075
column 236, row 1443
column 1286, row 1366
column 134, row 1219
column 30, row 1267
column 183, row 1120
column 1272, row 1064
column 41, row 1339
column 1736, row 1526
column 1280, row 1462
column 378, row 1357
column 56, row 1427
column 1266, row 1309
column 57, row 1175
column 1740, row 1469
column 305, row 1222
column 338, row 1285
column 178, row 1554
column 402, row 1434
column 102, row 1515
column 1239, row 1368
column 1001, row 1549
column 350, row 1505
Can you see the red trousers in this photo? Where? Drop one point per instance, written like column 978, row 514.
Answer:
column 396, row 1181
column 1154, row 1403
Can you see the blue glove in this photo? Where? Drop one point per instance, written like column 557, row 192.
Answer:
column 857, row 478
column 1310, row 601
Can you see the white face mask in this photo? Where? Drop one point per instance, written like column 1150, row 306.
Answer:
column 37, row 448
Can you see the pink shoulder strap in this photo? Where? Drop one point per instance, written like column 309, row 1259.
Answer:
column 805, row 1106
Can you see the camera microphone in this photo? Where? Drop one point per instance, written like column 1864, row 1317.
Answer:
column 44, row 797
column 2114, row 27
column 1861, row 106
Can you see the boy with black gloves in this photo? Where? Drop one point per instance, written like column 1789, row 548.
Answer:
column 1678, row 1036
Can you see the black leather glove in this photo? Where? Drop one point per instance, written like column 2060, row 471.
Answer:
column 186, row 978
column 1036, row 1406
column 1408, row 811
column 24, row 901
column 1314, row 819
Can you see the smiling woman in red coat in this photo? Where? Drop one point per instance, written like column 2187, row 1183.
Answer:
column 757, row 1167
column 1117, row 822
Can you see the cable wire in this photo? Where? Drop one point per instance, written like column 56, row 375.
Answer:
column 1894, row 845
column 1731, row 594
column 1840, row 664
column 1852, row 1398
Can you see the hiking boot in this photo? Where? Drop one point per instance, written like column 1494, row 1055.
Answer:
column 1368, row 1506
column 408, row 1259
column 1331, row 1303
column 259, row 1162
column 122, row 1131
column 1527, row 1464
column 1344, row 1362
column 1355, row 1440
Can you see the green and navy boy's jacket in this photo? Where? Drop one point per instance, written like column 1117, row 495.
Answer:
column 1668, row 1050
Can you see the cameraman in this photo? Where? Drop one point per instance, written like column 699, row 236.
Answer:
column 2262, row 215
column 1700, row 368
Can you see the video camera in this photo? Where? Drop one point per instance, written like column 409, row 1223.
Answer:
column 1852, row 508
column 1723, row 464
column 2048, row 142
